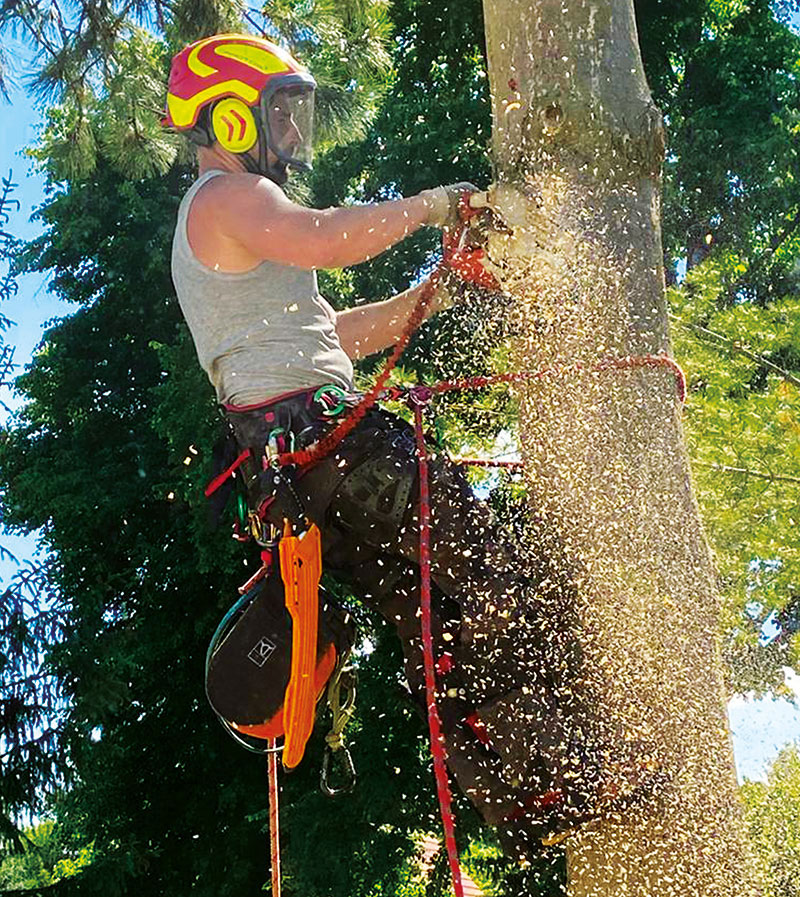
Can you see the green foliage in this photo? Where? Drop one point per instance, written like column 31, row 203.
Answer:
column 773, row 817
column 496, row 877
column 30, row 697
column 742, row 426
column 8, row 284
column 345, row 46
column 8, row 244
column 725, row 75
column 116, row 403
column 45, row 860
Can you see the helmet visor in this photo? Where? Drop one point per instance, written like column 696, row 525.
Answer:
column 289, row 117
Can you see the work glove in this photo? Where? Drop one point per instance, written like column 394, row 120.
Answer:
column 443, row 204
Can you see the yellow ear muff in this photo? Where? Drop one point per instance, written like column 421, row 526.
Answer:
column 234, row 125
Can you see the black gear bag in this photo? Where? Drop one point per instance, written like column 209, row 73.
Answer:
column 248, row 663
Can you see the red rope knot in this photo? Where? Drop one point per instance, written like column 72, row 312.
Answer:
column 393, row 394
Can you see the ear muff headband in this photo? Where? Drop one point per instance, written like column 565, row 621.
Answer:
column 234, row 125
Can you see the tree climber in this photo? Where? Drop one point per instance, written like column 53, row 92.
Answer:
column 280, row 359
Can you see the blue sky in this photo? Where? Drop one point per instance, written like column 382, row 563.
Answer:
column 759, row 728
column 33, row 305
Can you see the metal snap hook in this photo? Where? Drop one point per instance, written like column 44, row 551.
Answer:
column 337, row 764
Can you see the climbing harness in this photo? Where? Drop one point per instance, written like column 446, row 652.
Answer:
column 438, row 750
column 301, row 459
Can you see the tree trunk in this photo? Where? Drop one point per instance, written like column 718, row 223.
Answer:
column 578, row 148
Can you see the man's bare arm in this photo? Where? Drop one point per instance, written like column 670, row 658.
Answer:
column 371, row 328
column 255, row 213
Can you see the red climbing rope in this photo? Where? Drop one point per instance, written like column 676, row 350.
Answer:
column 434, row 722
column 489, row 462
column 624, row 363
column 328, row 443
column 274, row 830
column 228, row 472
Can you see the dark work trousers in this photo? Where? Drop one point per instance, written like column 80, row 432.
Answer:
column 504, row 632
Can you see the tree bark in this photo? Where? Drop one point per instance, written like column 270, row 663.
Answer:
column 578, row 147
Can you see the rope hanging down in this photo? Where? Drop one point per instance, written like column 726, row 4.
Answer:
column 434, row 722
column 274, row 828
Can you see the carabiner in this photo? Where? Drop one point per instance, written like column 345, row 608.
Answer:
column 279, row 441
column 330, row 392
column 346, row 769
column 241, row 510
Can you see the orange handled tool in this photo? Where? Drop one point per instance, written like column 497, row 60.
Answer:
column 301, row 568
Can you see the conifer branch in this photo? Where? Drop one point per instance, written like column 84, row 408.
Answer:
column 248, row 17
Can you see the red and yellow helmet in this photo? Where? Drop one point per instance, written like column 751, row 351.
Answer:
column 252, row 89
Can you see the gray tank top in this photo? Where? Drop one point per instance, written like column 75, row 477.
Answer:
column 260, row 333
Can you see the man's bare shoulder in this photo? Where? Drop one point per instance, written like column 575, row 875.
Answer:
column 224, row 211
column 256, row 221
column 236, row 189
